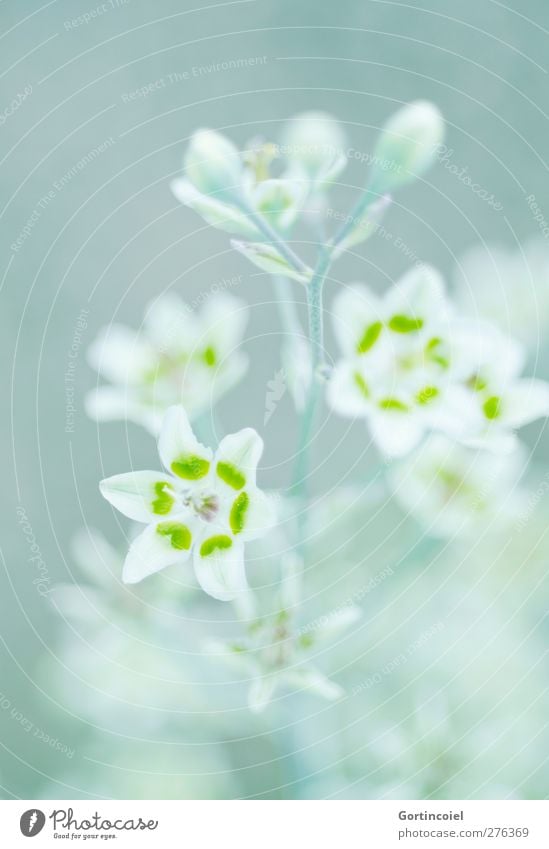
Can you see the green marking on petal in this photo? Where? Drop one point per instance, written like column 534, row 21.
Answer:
column 238, row 512
column 427, row 394
column 492, row 407
column 361, row 383
column 209, row 356
column 306, row 640
column 231, row 475
column 180, row 536
column 190, row 467
column 432, row 353
column 163, row 502
column 393, row 404
column 370, row 337
column 405, row 324
column 213, row 544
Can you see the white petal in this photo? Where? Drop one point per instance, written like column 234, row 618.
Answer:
column 223, row 319
column 170, row 324
column 237, row 457
column 251, row 514
column 219, row 566
column 109, row 403
column 355, row 312
column 161, row 544
column 333, row 624
column 396, row 433
column 261, row 691
column 309, row 678
column 230, row 372
column 180, row 450
column 121, row 355
column 525, row 401
column 495, row 439
column 213, row 211
column 455, row 412
column 142, row 496
column 346, row 390
column 419, row 294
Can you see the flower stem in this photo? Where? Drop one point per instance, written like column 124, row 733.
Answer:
column 316, row 336
column 364, row 202
column 271, row 234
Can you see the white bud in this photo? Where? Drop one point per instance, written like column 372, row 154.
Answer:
column 407, row 146
column 313, row 140
column 213, row 164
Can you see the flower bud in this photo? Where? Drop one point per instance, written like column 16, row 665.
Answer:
column 314, row 141
column 213, row 164
column 407, row 146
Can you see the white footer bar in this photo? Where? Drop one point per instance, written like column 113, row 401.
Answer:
column 276, row 824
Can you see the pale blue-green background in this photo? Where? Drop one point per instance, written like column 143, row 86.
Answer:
column 114, row 237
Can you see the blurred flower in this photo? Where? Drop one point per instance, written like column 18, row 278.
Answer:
column 454, row 490
column 205, row 505
column 507, row 287
column 277, row 654
column 406, row 147
column 402, row 365
column 314, row 146
column 410, row 366
column 235, row 192
column 181, row 357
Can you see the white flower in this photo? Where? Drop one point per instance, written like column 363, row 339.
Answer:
column 403, row 363
column 276, row 654
column 509, row 288
column 204, row 504
column 225, row 187
column 411, row 366
column 504, row 400
column 180, row 357
column 212, row 163
column 314, row 144
column 406, row 147
column 452, row 489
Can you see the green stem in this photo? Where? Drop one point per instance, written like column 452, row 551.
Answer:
column 271, row 234
column 364, row 202
column 316, row 336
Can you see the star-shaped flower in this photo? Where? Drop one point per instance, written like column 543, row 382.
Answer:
column 276, row 655
column 403, row 363
column 181, row 356
column 226, row 187
column 206, row 505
